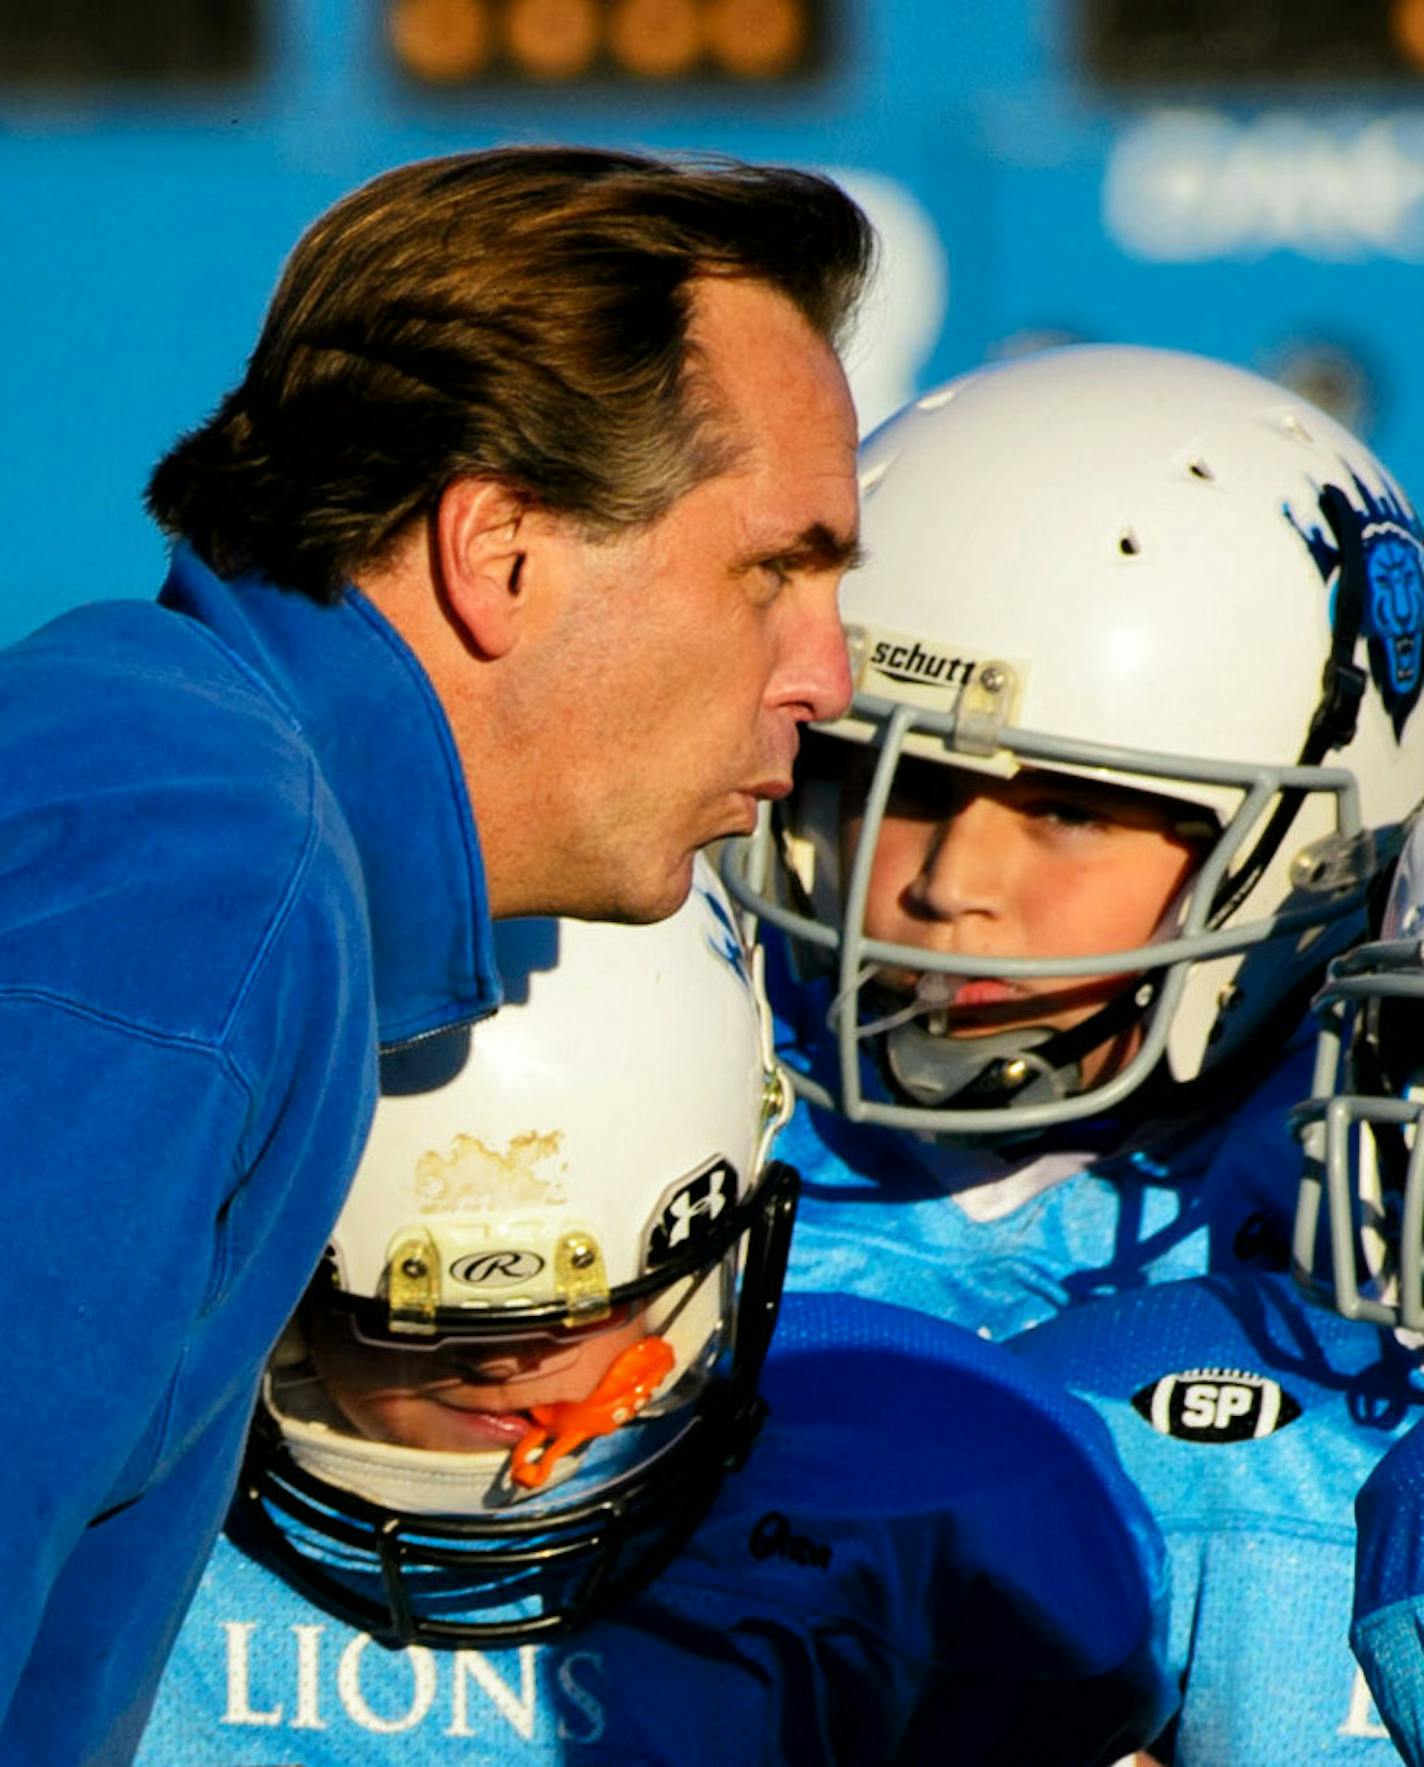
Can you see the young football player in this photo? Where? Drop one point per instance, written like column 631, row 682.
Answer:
column 1137, row 657
column 1389, row 1592
column 515, row 1437
column 1249, row 1419
column 1364, row 1198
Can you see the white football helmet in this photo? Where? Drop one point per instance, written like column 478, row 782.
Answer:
column 1135, row 566
column 1359, row 1228
column 575, row 1193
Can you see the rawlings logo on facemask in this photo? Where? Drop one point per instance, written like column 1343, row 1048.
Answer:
column 497, row 1269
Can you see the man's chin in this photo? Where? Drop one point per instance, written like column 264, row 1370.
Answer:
column 645, row 899
column 668, row 895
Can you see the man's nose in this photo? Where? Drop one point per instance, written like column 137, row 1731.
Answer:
column 813, row 677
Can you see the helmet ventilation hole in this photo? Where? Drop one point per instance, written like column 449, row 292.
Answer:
column 1293, row 426
column 1128, row 543
column 1201, row 469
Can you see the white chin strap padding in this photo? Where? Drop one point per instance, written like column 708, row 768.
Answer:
column 422, row 1481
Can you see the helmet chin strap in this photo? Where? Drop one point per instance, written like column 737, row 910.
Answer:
column 1032, row 1064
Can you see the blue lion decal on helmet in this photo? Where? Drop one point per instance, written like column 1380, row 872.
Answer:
column 1390, row 544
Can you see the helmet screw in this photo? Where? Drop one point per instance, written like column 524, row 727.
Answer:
column 773, row 1096
column 413, row 1267
column 581, row 1255
column 992, row 679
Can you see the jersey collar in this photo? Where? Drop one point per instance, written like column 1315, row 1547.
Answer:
column 369, row 713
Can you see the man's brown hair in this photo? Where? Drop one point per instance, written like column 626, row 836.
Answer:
column 520, row 314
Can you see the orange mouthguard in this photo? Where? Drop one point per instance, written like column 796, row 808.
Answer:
column 559, row 1429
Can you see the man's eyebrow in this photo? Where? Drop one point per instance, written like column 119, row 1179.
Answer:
column 817, row 548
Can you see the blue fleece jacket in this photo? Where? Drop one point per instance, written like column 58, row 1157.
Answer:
column 235, row 851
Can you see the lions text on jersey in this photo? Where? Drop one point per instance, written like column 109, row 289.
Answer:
column 928, row 1541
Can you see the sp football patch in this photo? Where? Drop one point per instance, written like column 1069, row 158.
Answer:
column 1215, row 1405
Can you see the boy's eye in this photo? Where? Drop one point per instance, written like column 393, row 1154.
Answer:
column 1068, row 812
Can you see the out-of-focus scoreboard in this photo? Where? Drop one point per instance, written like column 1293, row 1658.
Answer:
column 1253, row 41
column 463, row 42
column 61, row 44
column 1240, row 177
column 439, row 43
column 452, row 43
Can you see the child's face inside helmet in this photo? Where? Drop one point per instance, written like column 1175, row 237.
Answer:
column 461, row 1395
column 1043, row 864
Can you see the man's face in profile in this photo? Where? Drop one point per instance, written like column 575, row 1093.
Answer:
column 689, row 651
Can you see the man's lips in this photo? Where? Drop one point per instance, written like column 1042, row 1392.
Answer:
column 770, row 789
column 748, row 797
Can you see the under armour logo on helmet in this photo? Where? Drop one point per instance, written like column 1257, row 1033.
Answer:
column 691, row 1212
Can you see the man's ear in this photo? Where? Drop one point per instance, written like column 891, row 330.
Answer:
column 480, row 561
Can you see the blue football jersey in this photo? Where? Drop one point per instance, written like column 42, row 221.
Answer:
column 999, row 1241
column 1248, row 1418
column 1388, row 1630
column 930, row 1548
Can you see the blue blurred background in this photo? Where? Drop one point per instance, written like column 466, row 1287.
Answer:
column 1244, row 177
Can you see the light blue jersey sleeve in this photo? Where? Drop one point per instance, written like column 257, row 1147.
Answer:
column 932, row 1553
column 1388, row 1630
column 1248, row 1419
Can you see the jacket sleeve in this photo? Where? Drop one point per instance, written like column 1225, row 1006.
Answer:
column 166, row 1198
column 117, row 1153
